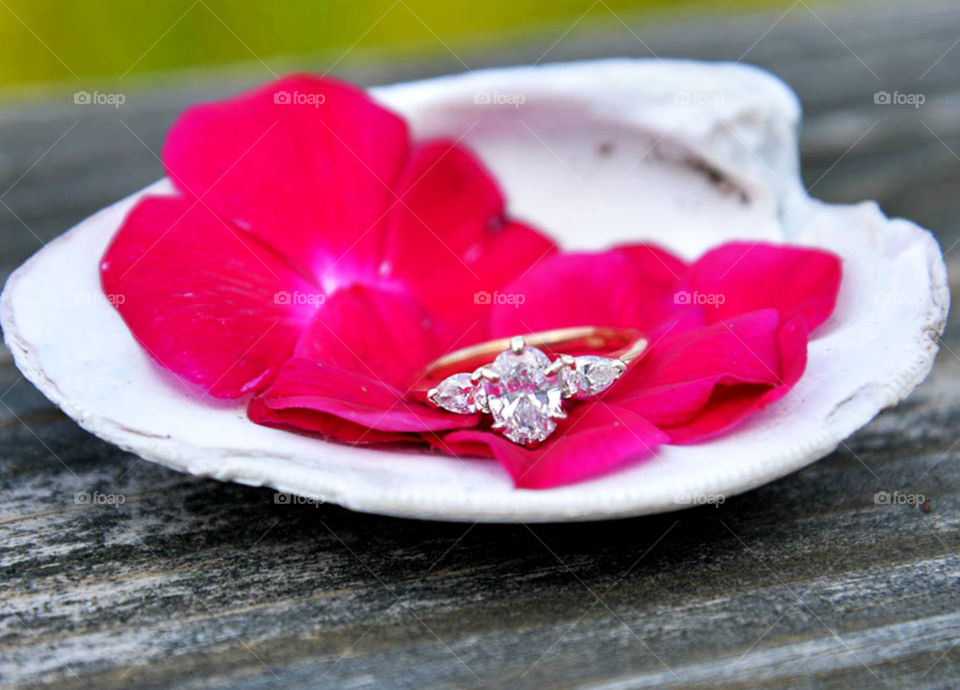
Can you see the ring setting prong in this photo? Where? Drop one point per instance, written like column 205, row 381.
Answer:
column 485, row 373
column 561, row 362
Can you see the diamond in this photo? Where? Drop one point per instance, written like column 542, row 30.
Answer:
column 523, row 417
column 572, row 381
column 593, row 375
column 530, row 358
column 455, row 394
column 524, row 391
column 524, row 401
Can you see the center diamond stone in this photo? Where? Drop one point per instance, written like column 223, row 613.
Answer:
column 524, row 401
column 524, row 391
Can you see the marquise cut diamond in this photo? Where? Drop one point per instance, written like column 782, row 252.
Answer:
column 591, row 375
column 456, row 394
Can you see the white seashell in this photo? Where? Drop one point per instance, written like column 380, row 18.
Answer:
column 596, row 153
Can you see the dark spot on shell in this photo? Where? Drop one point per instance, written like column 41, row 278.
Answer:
column 717, row 178
column 605, row 149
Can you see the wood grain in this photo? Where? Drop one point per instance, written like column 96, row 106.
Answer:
column 806, row 582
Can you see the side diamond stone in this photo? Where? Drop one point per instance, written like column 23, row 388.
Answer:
column 593, row 375
column 456, row 394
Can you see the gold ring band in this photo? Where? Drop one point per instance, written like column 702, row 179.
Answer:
column 625, row 344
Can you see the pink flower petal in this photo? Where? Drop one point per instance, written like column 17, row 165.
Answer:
column 728, row 406
column 326, row 426
column 306, row 164
column 449, row 242
column 743, row 349
column 307, row 386
column 358, row 360
column 626, row 287
column 207, row 301
column 658, row 266
column 384, row 335
column 699, row 405
column 596, row 438
column 748, row 276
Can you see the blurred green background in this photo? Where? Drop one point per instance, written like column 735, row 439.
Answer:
column 56, row 41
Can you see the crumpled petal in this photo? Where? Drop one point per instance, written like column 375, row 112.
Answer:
column 206, row 300
column 742, row 349
column 596, row 438
column 358, row 360
column 449, row 241
column 741, row 277
column 308, row 165
column 700, row 384
column 630, row 287
column 305, row 385
column 326, row 426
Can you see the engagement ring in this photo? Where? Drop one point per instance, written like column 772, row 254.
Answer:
column 522, row 389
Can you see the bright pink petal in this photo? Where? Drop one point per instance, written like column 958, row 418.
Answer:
column 672, row 404
column 306, row 164
column 358, row 360
column 737, row 278
column 206, row 300
column 743, row 349
column 630, row 287
column 659, row 267
column 306, row 386
column 596, row 438
column 449, row 242
column 699, row 405
column 387, row 336
column 326, row 426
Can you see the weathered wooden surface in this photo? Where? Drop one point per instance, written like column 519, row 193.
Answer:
column 804, row 582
